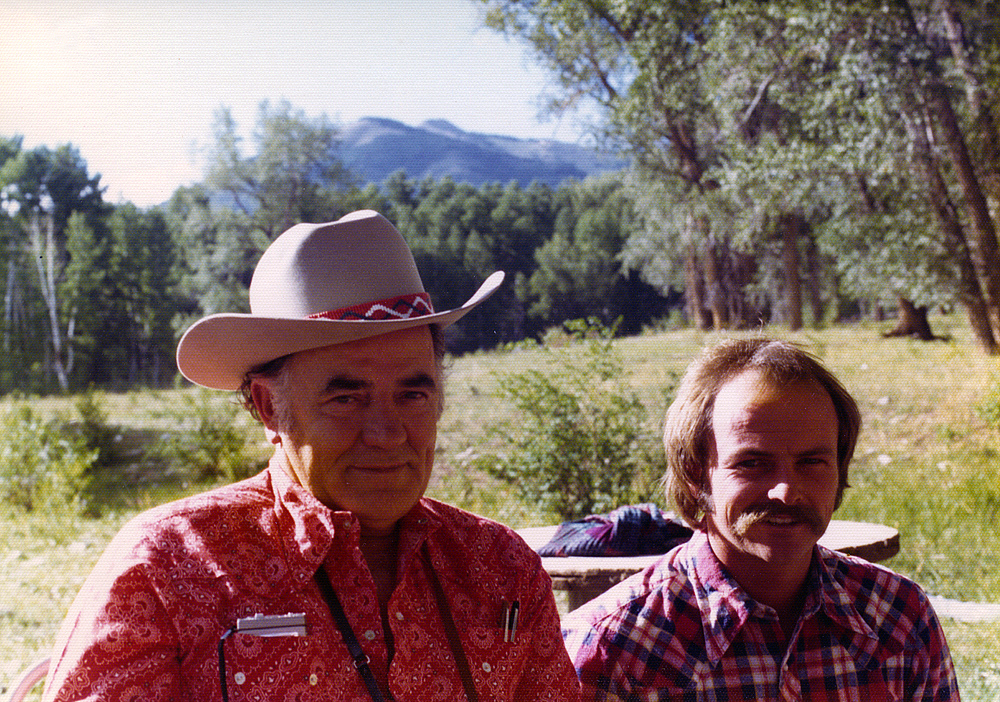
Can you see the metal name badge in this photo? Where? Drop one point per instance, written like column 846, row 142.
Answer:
column 273, row 625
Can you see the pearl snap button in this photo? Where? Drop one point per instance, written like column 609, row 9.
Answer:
column 313, row 679
column 240, row 678
column 487, row 667
column 370, row 635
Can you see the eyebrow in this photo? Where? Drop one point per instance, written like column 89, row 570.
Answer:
column 339, row 383
column 819, row 451
column 343, row 382
column 419, row 380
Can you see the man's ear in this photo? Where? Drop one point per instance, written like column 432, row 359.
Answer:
column 263, row 402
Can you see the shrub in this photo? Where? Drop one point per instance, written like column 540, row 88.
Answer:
column 210, row 439
column 43, row 463
column 989, row 407
column 579, row 443
column 94, row 429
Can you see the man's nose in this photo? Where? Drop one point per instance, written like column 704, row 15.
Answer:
column 787, row 485
column 383, row 425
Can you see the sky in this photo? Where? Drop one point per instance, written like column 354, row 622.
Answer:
column 134, row 85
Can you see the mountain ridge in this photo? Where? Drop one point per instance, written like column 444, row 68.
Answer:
column 373, row 148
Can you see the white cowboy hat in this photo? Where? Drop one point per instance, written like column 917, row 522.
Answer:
column 316, row 285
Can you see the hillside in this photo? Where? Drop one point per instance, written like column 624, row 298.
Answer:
column 374, row 148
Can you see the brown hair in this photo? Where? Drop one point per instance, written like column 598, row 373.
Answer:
column 273, row 369
column 688, row 425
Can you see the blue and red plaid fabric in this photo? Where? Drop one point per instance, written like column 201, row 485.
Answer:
column 683, row 629
column 632, row 530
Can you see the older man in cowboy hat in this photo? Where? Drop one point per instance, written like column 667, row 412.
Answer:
column 328, row 576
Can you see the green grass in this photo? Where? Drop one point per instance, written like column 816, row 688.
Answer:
column 927, row 463
column 975, row 649
column 42, row 567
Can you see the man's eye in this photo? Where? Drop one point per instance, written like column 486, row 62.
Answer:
column 814, row 461
column 342, row 399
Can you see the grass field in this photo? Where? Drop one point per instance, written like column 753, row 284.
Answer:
column 927, row 464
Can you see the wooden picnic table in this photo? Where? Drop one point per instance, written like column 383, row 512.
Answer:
column 585, row 577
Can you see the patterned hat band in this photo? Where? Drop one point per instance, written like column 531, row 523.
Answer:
column 402, row 307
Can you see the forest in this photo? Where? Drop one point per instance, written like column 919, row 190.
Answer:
column 791, row 163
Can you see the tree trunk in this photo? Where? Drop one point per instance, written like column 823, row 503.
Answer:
column 814, row 283
column 713, row 286
column 969, row 293
column 9, row 304
column 791, row 228
column 984, row 249
column 983, row 134
column 983, row 245
column 694, row 293
column 912, row 321
column 44, row 248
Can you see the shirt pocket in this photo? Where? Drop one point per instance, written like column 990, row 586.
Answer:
column 272, row 669
column 497, row 665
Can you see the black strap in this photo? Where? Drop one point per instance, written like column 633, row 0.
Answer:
column 452, row 631
column 222, row 663
column 361, row 661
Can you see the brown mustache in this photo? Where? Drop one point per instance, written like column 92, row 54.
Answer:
column 763, row 511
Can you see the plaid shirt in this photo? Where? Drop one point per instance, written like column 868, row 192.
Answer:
column 683, row 629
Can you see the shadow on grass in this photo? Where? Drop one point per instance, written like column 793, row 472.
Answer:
column 136, row 476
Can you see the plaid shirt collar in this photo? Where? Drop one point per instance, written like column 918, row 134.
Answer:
column 725, row 607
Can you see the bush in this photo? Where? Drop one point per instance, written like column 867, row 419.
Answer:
column 210, row 440
column 989, row 408
column 97, row 434
column 579, row 444
column 43, row 463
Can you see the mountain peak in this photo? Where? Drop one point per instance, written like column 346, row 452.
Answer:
column 376, row 147
column 379, row 122
column 442, row 125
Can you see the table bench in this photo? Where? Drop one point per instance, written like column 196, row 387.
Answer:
column 585, row 577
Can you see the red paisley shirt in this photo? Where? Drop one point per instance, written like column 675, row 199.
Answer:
column 147, row 623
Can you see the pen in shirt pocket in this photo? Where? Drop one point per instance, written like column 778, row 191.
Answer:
column 509, row 623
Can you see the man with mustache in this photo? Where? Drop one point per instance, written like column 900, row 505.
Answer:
column 758, row 444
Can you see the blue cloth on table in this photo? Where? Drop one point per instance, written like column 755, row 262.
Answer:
column 632, row 530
